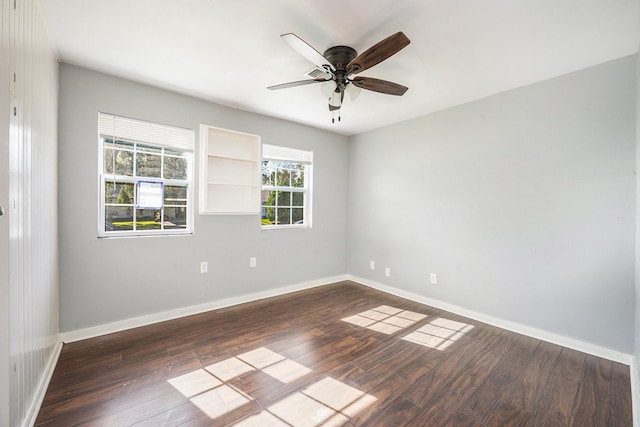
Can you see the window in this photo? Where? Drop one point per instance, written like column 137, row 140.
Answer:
column 286, row 187
column 145, row 178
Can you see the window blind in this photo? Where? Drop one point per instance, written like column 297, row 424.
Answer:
column 286, row 154
column 124, row 128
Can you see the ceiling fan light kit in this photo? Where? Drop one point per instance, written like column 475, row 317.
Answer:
column 335, row 68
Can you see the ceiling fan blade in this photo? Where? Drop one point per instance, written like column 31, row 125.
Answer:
column 378, row 85
column 378, row 52
column 304, row 49
column 295, row 84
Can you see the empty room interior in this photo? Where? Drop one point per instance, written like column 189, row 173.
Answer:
column 297, row 213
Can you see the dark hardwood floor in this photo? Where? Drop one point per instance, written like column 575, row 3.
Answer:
column 341, row 354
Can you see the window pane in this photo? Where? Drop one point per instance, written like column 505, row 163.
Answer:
column 175, row 218
column 297, row 215
column 118, row 218
column 284, row 216
column 108, row 160
column 283, row 178
column 148, row 165
column 119, row 192
column 297, row 176
column 174, row 195
column 298, row 199
column 269, row 209
column 148, row 219
column 123, row 162
column 175, row 168
column 268, row 174
column 267, row 216
column 284, row 198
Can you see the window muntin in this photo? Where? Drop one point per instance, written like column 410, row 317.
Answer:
column 286, row 187
column 125, row 163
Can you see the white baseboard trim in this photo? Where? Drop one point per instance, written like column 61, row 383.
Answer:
column 572, row 343
column 121, row 325
column 635, row 391
column 41, row 389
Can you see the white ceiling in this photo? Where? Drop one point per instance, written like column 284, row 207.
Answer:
column 229, row 51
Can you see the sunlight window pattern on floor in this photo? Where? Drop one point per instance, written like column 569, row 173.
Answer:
column 325, row 401
column 439, row 334
column 385, row 319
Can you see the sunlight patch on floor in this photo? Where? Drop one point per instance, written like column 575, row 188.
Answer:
column 229, row 368
column 261, row 357
column 194, row 383
column 385, row 319
column 209, row 388
column 287, row 371
column 327, row 402
column 220, row 400
column 439, row 334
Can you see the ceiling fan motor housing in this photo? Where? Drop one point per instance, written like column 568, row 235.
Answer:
column 340, row 57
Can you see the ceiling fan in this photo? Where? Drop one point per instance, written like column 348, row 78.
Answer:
column 336, row 68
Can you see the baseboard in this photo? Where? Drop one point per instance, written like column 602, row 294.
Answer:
column 135, row 322
column 41, row 389
column 635, row 391
column 574, row 344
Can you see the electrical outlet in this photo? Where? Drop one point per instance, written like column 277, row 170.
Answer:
column 372, row 265
column 204, row 267
column 252, row 262
column 434, row 278
column 387, row 271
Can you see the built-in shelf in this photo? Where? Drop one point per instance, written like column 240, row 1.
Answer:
column 229, row 171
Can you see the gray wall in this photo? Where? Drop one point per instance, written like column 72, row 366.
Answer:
column 107, row 280
column 522, row 203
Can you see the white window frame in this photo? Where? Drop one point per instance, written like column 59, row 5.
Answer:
column 278, row 153
column 145, row 133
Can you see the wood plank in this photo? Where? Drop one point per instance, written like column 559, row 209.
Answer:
column 464, row 383
column 593, row 401
column 399, row 412
column 620, row 396
column 556, row 404
column 480, row 404
column 450, row 362
column 520, row 400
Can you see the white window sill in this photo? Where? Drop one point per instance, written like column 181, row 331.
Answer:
column 286, row 227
